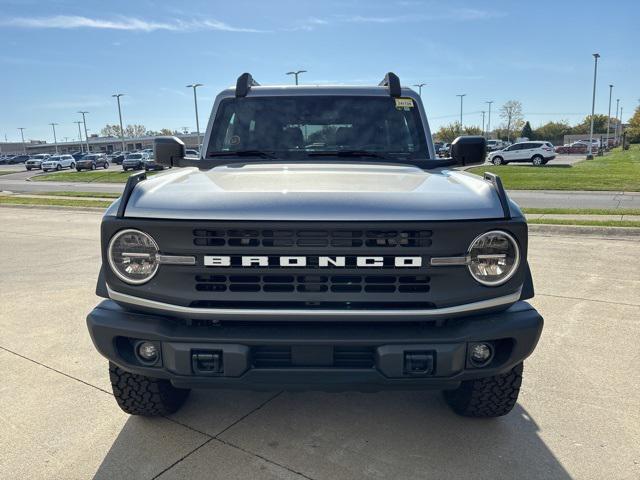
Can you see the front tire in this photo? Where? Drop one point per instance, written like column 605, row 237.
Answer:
column 58, row 167
column 497, row 161
column 538, row 161
column 487, row 397
column 28, row 169
column 93, row 166
column 146, row 396
column 106, row 166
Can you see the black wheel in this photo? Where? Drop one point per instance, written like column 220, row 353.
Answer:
column 58, row 167
column 29, row 168
column 45, row 170
column 537, row 160
column 78, row 169
column 106, row 165
column 125, row 169
column 486, row 397
column 140, row 395
column 93, row 166
column 497, row 161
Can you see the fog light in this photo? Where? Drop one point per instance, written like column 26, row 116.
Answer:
column 148, row 351
column 480, row 354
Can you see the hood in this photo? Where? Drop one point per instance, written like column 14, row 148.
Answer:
column 312, row 191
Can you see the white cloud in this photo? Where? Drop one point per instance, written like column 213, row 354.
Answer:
column 121, row 23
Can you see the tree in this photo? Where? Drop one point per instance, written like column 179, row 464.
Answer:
column 166, row 131
column 553, row 132
column 511, row 113
column 134, row 130
column 633, row 132
column 527, row 132
column 448, row 133
column 473, row 130
column 599, row 125
column 110, row 131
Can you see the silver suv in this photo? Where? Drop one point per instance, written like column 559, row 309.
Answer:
column 536, row 152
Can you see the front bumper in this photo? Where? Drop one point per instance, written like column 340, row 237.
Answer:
column 305, row 356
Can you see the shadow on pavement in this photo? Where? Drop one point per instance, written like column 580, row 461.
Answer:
column 399, row 435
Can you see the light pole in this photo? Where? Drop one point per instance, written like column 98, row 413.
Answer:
column 482, row 122
column 296, row 73
column 55, row 140
column 117, row 97
column 489, row 119
column 461, row 97
column 596, row 56
column 24, row 147
column 195, row 102
column 621, row 129
column 79, row 135
column 609, row 117
column 419, row 85
column 86, row 137
column 615, row 132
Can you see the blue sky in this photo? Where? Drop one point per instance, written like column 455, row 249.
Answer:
column 61, row 56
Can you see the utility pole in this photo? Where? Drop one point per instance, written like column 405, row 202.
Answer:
column 615, row 132
column 461, row 97
column 482, row 122
column 419, row 85
column 596, row 56
column 79, row 135
column 296, row 73
column 55, row 140
column 86, row 137
column 609, row 115
column 24, row 147
column 489, row 119
column 117, row 96
column 195, row 101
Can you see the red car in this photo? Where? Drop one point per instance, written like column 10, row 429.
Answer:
column 574, row 148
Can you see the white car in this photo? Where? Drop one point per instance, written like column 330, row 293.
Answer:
column 536, row 152
column 36, row 160
column 58, row 162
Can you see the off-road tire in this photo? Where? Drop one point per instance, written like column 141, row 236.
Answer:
column 486, row 397
column 146, row 396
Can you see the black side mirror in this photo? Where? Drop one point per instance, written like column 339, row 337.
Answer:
column 469, row 150
column 169, row 151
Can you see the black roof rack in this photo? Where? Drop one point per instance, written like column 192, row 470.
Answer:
column 392, row 81
column 244, row 84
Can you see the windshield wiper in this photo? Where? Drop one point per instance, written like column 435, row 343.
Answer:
column 347, row 153
column 243, row 153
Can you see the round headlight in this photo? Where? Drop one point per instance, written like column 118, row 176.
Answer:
column 133, row 256
column 493, row 258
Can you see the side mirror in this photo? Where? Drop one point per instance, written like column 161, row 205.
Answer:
column 471, row 150
column 169, row 151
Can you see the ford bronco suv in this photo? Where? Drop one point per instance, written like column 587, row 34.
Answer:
column 316, row 243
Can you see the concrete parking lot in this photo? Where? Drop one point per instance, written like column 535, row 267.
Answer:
column 578, row 414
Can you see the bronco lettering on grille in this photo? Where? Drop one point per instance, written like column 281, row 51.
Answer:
column 316, row 261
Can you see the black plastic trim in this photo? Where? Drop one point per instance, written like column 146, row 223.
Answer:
column 392, row 81
column 132, row 181
column 502, row 195
column 244, row 84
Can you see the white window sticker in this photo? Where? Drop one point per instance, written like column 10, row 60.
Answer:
column 404, row 103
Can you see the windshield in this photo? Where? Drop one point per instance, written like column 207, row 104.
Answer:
column 298, row 126
column 134, row 156
column 53, row 159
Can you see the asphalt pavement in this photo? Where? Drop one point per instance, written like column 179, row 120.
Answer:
column 578, row 415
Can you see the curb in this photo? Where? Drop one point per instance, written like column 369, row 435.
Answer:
column 55, row 207
column 584, row 230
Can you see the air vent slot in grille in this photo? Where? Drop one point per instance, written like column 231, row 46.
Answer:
column 312, row 238
column 273, row 356
column 313, row 283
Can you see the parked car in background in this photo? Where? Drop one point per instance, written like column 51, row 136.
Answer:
column 444, row 150
column 36, row 161
column 190, row 152
column 151, row 165
column 538, row 153
column 573, row 148
column 92, row 161
column 58, row 162
column 116, row 157
column 18, row 159
column 78, row 155
column 495, row 144
column 134, row 161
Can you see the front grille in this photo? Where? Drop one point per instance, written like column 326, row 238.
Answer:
column 272, row 356
column 418, row 284
column 378, row 238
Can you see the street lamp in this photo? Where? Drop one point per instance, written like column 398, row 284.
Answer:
column 24, row 147
column 55, row 140
column 483, row 112
column 117, row 97
column 609, row 115
column 195, row 102
column 461, row 97
column 79, row 135
column 296, row 73
column 596, row 56
column 489, row 118
column 615, row 134
column 419, row 85
column 86, row 137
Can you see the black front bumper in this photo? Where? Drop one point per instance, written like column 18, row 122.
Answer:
column 305, row 356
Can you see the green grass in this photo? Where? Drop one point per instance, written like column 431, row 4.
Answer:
column 618, row 171
column 591, row 223
column 60, row 202
column 88, row 177
column 79, row 194
column 8, row 172
column 583, row 211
